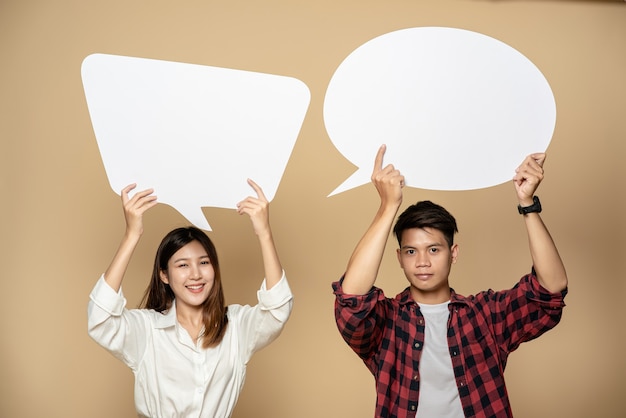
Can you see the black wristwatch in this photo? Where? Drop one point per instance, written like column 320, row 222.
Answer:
column 535, row 207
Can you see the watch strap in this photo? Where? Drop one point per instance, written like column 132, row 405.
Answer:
column 535, row 207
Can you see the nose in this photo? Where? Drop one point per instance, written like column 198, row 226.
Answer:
column 196, row 273
column 422, row 260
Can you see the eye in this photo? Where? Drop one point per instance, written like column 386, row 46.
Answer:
column 434, row 250
column 181, row 265
column 205, row 262
column 410, row 251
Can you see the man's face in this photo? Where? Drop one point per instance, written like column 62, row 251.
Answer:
column 426, row 258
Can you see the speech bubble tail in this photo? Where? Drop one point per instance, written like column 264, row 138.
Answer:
column 358, row 178
column 196, row 217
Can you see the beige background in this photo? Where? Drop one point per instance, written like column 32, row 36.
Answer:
column 60, row 222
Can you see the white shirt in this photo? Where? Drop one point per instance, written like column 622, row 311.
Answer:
column 439, row 396
column 173, row 376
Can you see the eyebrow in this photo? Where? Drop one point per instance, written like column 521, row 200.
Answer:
column 188, row 258
column 411, row 247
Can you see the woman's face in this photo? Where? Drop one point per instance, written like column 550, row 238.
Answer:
column 190, row 275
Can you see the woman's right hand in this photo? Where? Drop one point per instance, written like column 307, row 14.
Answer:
column 135, row 207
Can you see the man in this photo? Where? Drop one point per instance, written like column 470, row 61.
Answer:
column 435, row 353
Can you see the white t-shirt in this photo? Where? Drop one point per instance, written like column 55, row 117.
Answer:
column 439, row 396
column 173, row 376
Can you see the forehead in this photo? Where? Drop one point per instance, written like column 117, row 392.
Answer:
column 422, row 237
column 190, row 251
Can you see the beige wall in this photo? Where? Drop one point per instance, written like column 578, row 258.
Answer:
column 60, row 222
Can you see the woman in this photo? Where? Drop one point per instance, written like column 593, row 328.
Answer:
column 187, row 350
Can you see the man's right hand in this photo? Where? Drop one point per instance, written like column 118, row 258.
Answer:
column 388, row 181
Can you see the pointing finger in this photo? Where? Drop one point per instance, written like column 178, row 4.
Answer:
column 378, row 162
column 257, row 189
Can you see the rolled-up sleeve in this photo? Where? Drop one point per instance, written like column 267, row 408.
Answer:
column 278, row 300
column 360, row 319
column 257, row 326
column 541, row 296
column 115, row 328
column 105, row 299
column 527, row 311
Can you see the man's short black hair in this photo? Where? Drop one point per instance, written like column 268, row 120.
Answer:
column 426, row 214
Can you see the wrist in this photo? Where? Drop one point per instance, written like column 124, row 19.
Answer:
column 264, row 234
column 387, row 212
column 525, row 207
column 133, row 234
column 390, row 204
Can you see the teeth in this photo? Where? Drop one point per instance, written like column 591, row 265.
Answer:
column 196, row 287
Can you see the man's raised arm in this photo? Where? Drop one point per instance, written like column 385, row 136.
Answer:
column 546, row 259
column 365, row 260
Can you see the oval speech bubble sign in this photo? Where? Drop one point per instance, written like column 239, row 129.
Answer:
column 458, row 110
column 193, row 133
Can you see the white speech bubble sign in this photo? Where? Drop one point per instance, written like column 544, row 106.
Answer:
column 458, row 110
column 193, row 133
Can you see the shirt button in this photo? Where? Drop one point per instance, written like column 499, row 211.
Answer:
column 415, row 377
column 416, row 345
column 413, row 407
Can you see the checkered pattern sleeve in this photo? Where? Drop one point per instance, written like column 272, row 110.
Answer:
column 524, row 312
column 360, row 320
column 486, row 328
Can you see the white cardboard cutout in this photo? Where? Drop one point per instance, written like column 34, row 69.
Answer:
column 458, row 110
column 193, row 133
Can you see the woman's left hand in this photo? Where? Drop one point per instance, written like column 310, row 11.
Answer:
column 257, row 208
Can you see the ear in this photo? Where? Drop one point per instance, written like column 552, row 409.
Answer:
column 399, row 255
column 454, row 251
column 163, row 276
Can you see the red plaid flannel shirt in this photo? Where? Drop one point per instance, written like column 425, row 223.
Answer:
column 388, row 335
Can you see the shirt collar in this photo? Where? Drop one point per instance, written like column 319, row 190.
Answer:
column 405, row 297
column 167, row 318
column 456, row 298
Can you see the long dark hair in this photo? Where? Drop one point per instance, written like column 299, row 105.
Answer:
column 159, row 296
